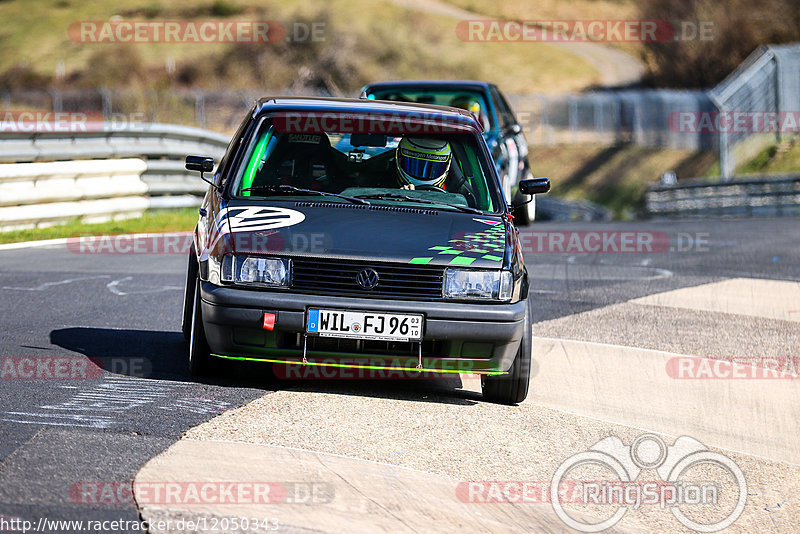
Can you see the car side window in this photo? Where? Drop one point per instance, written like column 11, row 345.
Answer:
column 505, row 115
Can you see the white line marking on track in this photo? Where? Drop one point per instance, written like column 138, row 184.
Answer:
column 42, row 287
column 32, row 244
column 59, row 419
column 117, row 395
column 114, row 288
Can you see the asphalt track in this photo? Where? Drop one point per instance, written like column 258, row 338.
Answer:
column 121, row 312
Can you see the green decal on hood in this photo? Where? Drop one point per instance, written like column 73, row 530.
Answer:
column 488, row 245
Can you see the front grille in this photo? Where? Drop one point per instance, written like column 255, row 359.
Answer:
column 338, row 277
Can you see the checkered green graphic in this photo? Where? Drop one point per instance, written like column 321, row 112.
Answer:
column 489, row 244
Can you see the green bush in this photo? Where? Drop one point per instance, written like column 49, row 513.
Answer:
column 221, row 8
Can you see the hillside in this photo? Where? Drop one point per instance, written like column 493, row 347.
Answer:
column 386, row 40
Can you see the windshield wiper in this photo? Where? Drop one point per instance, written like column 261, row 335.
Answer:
column 282, row 189
column 398, row 196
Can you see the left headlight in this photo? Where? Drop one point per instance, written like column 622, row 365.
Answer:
column 486, row 285
column 270, row 272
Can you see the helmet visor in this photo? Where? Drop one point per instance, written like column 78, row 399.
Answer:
column 423, row 166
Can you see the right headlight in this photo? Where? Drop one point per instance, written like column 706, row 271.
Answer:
column 270, row 272
column 479, row 285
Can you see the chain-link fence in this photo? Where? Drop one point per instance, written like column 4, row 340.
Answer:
column 636, row 116
column 758, row 104
column 219, row 110
column 755, row 105
column 641, row 117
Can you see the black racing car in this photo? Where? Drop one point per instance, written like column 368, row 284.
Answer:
column 502, row 130
column 360, row 234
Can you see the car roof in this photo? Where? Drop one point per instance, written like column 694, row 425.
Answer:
column 323, row 104
column 439, row 84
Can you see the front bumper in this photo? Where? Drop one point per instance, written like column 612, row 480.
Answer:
column 462, row 336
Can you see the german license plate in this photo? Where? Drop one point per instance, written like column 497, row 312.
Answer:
column 364, row 325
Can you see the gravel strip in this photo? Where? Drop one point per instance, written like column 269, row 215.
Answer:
column 443, row 426
column 439, row 429
column 682, row 331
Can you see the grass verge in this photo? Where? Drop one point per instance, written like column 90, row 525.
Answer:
column 614, row 176
column 181, row 220
column 775, row 159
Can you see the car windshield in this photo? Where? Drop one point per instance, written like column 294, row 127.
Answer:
column 469, row 99
column 383, row 161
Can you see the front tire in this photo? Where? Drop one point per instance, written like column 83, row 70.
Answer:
column 512, row 388
column 188, row 295
column 199, row 352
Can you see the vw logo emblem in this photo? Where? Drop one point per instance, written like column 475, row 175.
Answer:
column 367, row 278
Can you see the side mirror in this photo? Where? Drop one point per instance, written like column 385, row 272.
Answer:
column 202, row 164
column 534, row 186
column 199, row 163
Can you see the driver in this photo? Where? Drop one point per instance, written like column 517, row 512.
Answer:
column 423, row 163
column 473, row 105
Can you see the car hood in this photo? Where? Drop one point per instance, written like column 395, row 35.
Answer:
column 394, row 233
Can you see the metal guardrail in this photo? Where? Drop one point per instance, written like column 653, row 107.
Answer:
column 48, row 177
column 744, row 196
column 148, row 141
column 163, row 147
column 32, row 194
column 550, row 208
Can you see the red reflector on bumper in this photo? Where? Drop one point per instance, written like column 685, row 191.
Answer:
column 269, row 321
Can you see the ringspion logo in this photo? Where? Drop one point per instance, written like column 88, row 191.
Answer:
column 691, row 477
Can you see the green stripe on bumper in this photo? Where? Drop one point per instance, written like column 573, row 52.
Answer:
column 356, row 366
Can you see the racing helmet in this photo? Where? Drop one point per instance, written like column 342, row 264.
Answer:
column 468, row 102
column 423, row 161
